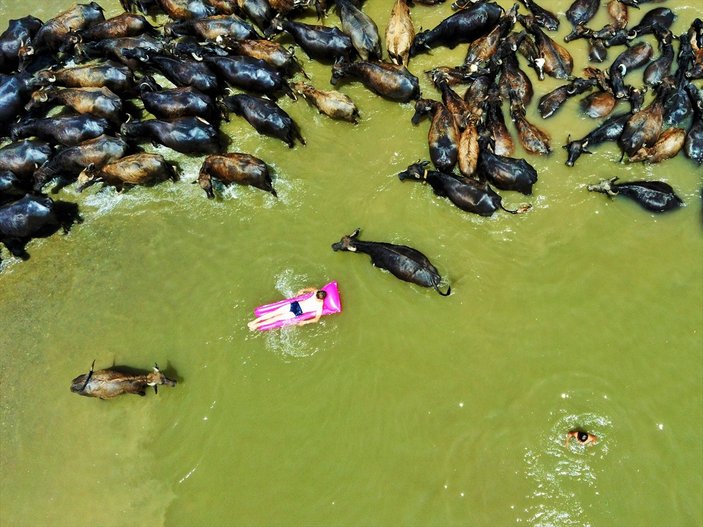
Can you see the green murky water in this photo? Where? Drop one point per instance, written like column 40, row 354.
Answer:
column 407, row 408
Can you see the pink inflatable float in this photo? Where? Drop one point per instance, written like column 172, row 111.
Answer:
column 332, row 304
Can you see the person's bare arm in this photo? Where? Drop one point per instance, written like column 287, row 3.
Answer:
column 306, row 290
column 318, row 314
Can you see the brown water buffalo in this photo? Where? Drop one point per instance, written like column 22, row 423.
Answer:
column 668, row 145
column 272, row 53
column 123, row 25
column 531, row 138
column 393, row 82
column 213, row 28
column 400, row 33
column 69, row 162
column 443, row 135
column 116, row 77
column 100, row 102
column 109, row 383
column 558, row 62
column 332, row 103
column 138, row 169
column 402, row 261
column 643, row 128
column 242, row 169
column 53, row 33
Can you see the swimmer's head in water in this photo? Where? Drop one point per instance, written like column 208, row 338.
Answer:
column 581, row 436
column 321, row 295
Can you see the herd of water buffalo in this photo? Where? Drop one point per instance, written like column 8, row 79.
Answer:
column 100, row 74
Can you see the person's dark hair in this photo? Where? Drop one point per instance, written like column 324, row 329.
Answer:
column 321, row 295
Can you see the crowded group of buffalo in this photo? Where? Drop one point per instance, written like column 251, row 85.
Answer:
column 80, row 94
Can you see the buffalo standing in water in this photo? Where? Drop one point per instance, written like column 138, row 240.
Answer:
column 33, row 217
column 403, row 262
column 467, row 194
column 188, row 135
column 265, row 116
column 655, row 196
column 242, row 169
column 137, row 169
column 387, row 80
column 332, row 103
column 106, row 384
column 462, row 27
column 443, row 136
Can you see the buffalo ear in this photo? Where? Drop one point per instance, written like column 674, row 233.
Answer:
column 356, row 232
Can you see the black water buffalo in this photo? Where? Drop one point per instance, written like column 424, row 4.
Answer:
column 467, row 194
column 632, row 58
column 12, row 188
column 138, row 169
column 543, row 17
column 242, row 169
column 361, row 29
column 610, row 130
column 188, row 135
column 15, row 91
column 387, row 80
column 120, row 49
column 505, row 173
column 109, row 383
column 23, row 157
column 13, row 38
column 272, row 53
column 250, row 74
column 463, row 27
column 67, row 130
column 265, row 116
column 33, row 217
column 177, row 102
column 693, row 145
column 552, row 101
column 655, row 196
column 318, row 42
column 403, row 262
column 180, row 72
